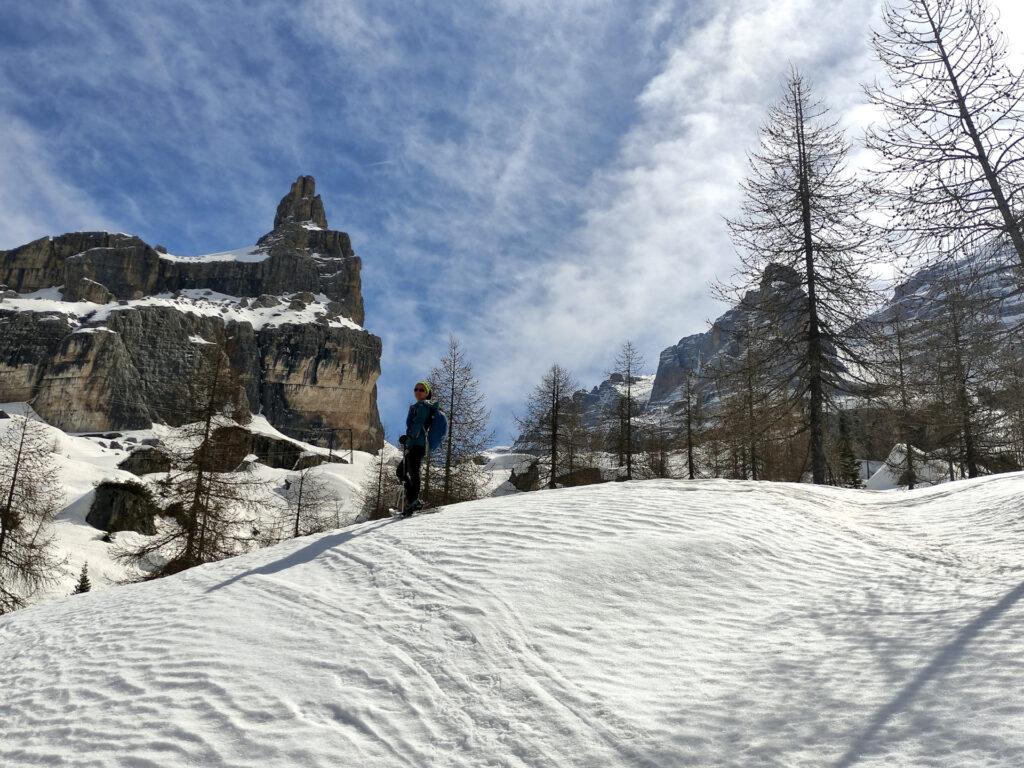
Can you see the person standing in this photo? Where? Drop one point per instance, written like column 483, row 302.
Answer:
column 415, row 440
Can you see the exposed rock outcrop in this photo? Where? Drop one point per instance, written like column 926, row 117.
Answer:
column 691, row 353
column 123, row 507
column 146, row 460
column 290, row 336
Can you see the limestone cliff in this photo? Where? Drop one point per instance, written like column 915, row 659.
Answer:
column 103, row 331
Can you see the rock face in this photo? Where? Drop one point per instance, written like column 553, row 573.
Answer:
column 123, row 507
column 691, row 353
column 141, row 335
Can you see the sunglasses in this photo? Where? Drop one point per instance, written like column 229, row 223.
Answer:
column 418, row 389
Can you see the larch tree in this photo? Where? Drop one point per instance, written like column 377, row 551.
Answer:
column 628, row 363
column 960, row 342
column 805, row 212
column 211, row 502
column 381, row 488
column 29, row 500
column 457, row 391
column 543, row 426
column 310, row 505
column 692, row 410
column 952, row 138
column 899, row 385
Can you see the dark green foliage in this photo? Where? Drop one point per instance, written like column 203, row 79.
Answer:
column 83, row 585
column 848, row 467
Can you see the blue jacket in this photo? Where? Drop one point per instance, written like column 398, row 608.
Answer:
column 417, row 422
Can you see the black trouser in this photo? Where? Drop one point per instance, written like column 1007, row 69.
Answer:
column 409, row 472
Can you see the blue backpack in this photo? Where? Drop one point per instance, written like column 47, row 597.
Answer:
column 438, row 429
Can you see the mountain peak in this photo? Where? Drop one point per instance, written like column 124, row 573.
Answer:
column 302, row 203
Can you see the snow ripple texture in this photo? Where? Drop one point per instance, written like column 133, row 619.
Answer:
column 660, row 623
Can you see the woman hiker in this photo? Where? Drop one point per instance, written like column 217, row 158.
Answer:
column 417, row 427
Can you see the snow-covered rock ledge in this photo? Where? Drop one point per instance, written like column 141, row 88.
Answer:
column 653, row 623
column 285, row 314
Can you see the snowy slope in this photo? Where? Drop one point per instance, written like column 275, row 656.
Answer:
column 662, row 623
column 81, row 463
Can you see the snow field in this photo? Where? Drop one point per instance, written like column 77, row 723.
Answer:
column 655, row 623
column 81, row 463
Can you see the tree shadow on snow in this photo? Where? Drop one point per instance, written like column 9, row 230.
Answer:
column 307, row 553
column 946, row 657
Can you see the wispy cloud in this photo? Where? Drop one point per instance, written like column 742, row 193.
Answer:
column 35, row 199
column 543, row 179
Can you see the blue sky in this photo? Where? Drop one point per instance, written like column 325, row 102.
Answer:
column 543, row 179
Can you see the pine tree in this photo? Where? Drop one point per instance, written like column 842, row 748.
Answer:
column 848, row 467
column 84, row 585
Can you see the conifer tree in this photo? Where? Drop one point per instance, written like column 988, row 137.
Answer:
column 457, row 391
column 211, row 506
column 83, row 585
column 847, row 466
column 543, row 427
column 805, row 213
column 952, row 138
column 29, row 500
column 628, row 364
column 380, row 490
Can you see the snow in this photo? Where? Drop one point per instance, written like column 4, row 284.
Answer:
column 656, row 623
column 196, row 301
column 249, row 253
column 81, row 463
column 640, row 389
column 890, row 473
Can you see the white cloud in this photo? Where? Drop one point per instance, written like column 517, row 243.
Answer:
column 35, row 199
column 652, row 237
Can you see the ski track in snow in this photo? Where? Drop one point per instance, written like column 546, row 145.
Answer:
column 662, row 623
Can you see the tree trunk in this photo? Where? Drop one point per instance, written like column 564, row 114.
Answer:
column 815, row 350
column 689, row 430
column 1013, row 226
column 8, row 517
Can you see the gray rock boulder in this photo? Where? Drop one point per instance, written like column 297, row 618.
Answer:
column 146, row 460
column 123, row 507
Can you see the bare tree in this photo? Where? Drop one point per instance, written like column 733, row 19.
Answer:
column 379, row 492
column 457, row 391
column 310, row 505
column 952, row 141
column 803, row 211
column 628, row 364
column 959, row 344
column 543, row 426
column 898, row 383
column 29, row 500
column 692, row 408
column 211, row 507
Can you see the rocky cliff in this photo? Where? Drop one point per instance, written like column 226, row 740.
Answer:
column 104, row 331
column 700, row 350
